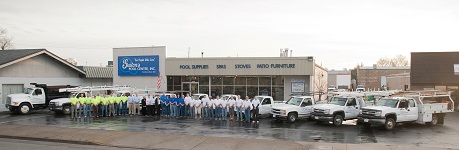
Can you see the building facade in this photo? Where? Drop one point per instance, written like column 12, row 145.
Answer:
column 373, row 77
column 340, row 79
column 398, row 81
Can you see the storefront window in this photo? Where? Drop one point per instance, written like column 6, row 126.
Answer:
column 252, row 81
column 204, row 89
column 278, row 93
column 170, row 88
column 204, row 80
column 216, row 80
column 265, row 91
column 228, row 81
column 278, row 80
column 265, row 81
column 216, row 90
column 170, row 80
column 194, row 79
column 177, row 88
column 241, row 81
column 228, row 90
column 240, row 90
column 186, row 79
column 252, row 91
column 177, row 80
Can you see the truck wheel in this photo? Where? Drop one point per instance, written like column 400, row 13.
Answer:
column 292, row 117
column 434, row 120
column 337, row 120
column 66, row 110
column 390, row 124
column 24, row 108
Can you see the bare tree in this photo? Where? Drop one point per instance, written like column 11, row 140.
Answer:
column 5, row 41
column 321, row 84
column 397, row 61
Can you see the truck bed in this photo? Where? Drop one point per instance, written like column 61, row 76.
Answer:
column 436, row 108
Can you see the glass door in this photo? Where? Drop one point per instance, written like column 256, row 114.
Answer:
column 192, row 87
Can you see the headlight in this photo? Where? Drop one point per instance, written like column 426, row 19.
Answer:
column 360, row 112
column 15, row 103
column 327, row 111
column 285, row 111
column 378, row 113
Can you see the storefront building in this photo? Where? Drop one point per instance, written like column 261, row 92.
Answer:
column 279, row 77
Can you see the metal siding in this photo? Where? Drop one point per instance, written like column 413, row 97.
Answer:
column 11, row 89
column 39, row 66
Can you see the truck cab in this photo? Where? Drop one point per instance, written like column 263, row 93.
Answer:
column 360, row 88
column 338, row 109
column 296, row 107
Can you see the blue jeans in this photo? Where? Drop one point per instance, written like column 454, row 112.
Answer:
column 171, row 107
column 187, row 111
column 87, row 110
column 247, row 115
column 205, row 112
column 224, row 114
column 219, row 112
column 176, row 113
column 192, row 112
column 163, row 107
column 239, row 113
column 124, row 108
column 104, row 110
column 117, row 109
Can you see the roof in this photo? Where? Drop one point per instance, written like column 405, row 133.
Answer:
column 10, row 57
column 97, row 72
column 385, row 68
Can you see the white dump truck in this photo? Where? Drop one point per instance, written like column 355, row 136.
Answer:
column 429, row 107
column 296, row 107
column 339, row 108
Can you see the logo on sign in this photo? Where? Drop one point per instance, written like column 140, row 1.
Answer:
column 138, row 65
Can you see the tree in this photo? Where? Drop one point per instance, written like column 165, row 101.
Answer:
column 5, row 41
column 321, row 83
column 397, row 61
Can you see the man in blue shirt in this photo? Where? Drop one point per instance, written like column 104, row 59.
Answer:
column 163, row 105
column 181, row 106
column 173, row 103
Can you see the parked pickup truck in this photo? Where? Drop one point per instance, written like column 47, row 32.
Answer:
column 338, row 109
column 266, row 102
column 296, row 107
column 37, row 97
column 430, row 109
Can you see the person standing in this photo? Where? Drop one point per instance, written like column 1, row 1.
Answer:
column 149, row 106
column 231, row 104
column 163, row 105
column 98, row 97
column 95, row 106
column 188, row 101
column 168, row 107
column 118, row 100
column 104, row 101
column 239, row 103
column 224, row 105
column 88, row 106
column 173, row 106
column 131, row 104
column 204, row 109
column 246, row 106
column 111, row 105
column 182, row 106
column 210, row 107
column 136, row 104
column 144, row 106
column 73, row 108
column 255, row 104
column 198, row 105
column 158, row 106
column 124, row 100
column 82, row 101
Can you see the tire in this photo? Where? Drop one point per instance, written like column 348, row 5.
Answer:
column 434, row 120
column 24, row 108
column 66, row 110
column 390, row 124
column 291, row 117
column 337, row 120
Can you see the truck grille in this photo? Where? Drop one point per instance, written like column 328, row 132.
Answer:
column 8, row 100
column 319, row 112
column 276, row 111
column 368, row 112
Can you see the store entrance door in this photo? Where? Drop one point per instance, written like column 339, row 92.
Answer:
column 193, row 87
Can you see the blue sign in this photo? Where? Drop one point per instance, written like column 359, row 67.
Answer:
column 138, row 65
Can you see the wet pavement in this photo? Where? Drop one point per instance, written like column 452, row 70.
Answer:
column 307, row 131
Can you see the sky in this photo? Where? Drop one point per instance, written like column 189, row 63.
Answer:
column 339, row 34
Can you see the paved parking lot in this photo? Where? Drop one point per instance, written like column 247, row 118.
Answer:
column 307, row 131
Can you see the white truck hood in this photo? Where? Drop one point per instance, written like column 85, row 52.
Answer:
column 283, row 106
column 61, row 100
column 326, row 106
column 20, row 95
column 377, row 107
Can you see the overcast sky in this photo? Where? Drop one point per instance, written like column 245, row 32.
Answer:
column 340, row 34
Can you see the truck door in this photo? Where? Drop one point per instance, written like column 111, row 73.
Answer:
column 306, row 107
column 38, row 96
column 265, row 107
column 412, row 110
column 402, row 115
column 351, row 109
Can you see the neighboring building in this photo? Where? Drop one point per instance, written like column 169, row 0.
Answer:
column 97, row 76
column 340, row 79
column 19, row 68
column 435, row 71
column 398, row 81
column 71, row 61
column 371, row 77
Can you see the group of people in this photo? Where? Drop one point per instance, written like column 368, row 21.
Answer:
column 210, row 108
column 203, row 107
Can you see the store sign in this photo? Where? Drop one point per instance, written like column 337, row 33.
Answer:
column 456, row 69
column 138, row 65
column 297, row 87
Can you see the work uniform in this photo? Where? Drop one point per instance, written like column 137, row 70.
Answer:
column 82, row 106
column 255, row 104
column 131, row 105
column 100, row 105
column 231, row 106
column 224, row 105
column 73, row 108
column 117, row 105
column 149, row 107
column 204, row 112
column 218, row 109
column 239, row 103
column 188, row 106
column 104, row 102
column 210, row 106
column 136, row 105
column 163, row 105
column 111, row 109
column 144, row 106
column 167, row 106
column 181, row 107
column 88, row 107
column 197, row 105
column 172, row 105
column 246, row 106
column 95, row 106
column 124, row 100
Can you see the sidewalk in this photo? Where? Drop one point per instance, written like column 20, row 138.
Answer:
column 149, row 140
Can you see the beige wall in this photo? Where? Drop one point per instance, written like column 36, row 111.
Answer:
column 320, row 83
column 246, row 66
column 41, row 66
column 398, row 82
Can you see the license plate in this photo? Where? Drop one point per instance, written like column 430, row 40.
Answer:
column 365, row 120
column 316, row 117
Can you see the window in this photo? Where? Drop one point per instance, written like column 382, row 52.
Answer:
column 204, row 89
column 37, row 92
column 403, row 104
column 265, row 91
column 278, row 80
column 228, row 89
column 216, row 91
column 177, row 80
column 266, row 101
column 216, row 80
column 265, row 80
column 240, row 90
column 241, row 81
column 252, row 91
column 306, row 102
column 351, row 102
column 412, row 103
column 252, row 81
column 228, row 81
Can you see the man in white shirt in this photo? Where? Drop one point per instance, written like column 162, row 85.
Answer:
column 231, row 105
column 198, row 104
column 246, row 106
column 218, row 108
column 255, row 104
column 204, row 107
column 239, row 103
column 188, row 101
column 149, row 102
column 210, row 105
column 224, row 105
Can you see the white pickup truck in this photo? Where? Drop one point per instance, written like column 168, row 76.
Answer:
column 338, row 109
column 296, row 107
column 37, row 97
column 430, row 109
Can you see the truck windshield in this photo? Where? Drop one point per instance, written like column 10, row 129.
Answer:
column 28, row 91
column 387, row 102
column 338, row 101
column 294, row 101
